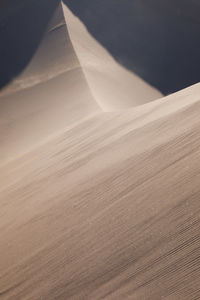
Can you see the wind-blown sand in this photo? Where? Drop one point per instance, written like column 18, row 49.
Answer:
column 99, row 199
column 156, row 39
column 113, row 86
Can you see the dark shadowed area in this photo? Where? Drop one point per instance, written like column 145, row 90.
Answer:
column 22, row 25
column 156, row 39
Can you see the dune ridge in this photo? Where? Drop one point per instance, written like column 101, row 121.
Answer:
column 55, row 90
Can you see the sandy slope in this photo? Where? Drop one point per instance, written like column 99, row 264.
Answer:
column 108, row 209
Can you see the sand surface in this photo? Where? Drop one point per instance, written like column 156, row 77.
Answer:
column 99, row 188
column 108, row 209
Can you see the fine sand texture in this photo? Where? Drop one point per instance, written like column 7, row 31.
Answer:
column 108, row 209
column 99, row 173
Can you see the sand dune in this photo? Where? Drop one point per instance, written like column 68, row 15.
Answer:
column 108, row 209
column 99, row 175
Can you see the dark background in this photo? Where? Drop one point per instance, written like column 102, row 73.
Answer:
column 159, row 40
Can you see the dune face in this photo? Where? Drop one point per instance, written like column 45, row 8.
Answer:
column 156, row 39
column 99, row 173
column 108, row 209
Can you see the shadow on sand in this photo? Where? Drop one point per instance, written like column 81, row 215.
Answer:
column 22, row 25
column 159, row 40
